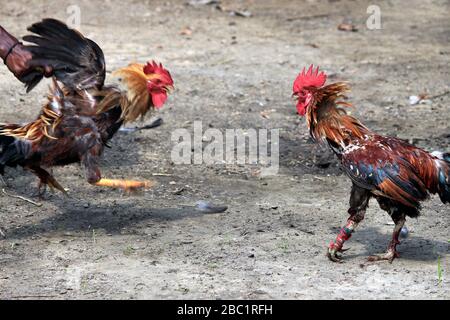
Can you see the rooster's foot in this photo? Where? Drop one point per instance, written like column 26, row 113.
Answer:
column 389, row 255
column 334, row 254
column 40, row 191
column 46, row 179
column 52, row 184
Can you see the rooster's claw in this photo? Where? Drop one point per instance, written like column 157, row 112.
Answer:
column 333, row 256
column 390, row 255
column 333, row 253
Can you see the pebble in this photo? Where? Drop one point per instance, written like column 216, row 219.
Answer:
column 404, row 233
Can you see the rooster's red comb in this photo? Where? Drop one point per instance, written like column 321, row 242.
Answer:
column 310, row 78
column 155, row 68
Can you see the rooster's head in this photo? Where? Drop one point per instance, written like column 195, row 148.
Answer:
column 159, row 83
column 306, row 83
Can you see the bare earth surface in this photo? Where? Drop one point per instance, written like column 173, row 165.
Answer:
column 270, row 243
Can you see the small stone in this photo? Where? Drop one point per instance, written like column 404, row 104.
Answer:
column 414, row 100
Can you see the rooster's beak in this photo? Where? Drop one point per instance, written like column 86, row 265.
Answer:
column 169, row 89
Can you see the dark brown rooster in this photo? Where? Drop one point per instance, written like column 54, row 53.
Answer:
column 398, row 175
column 82, row 115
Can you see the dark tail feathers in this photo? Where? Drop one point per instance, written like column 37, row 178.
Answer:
column 443, row 176
column 12, row 151
column 446, row 157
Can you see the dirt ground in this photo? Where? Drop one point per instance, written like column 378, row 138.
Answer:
column 270, row 243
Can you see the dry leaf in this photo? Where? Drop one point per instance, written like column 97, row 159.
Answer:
column 186, row 31
column 347, row 27
column 265, row 114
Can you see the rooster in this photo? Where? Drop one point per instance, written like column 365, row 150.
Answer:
column 82, row 114
column 397, row 174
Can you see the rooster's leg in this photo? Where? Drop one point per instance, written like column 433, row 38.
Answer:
column 391, row 252
column 3, row 182
column 41, row 190
column 90, row 161
column 46, row 179
column 359, row 200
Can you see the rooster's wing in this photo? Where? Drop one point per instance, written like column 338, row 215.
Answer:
column 375, row 165
column 76, row 61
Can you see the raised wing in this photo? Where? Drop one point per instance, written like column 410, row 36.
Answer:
column 76, row 61
column 375, row 165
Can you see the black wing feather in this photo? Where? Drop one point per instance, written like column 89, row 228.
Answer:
column 77, row 62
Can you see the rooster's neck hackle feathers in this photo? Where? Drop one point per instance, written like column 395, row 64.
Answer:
column 327, row 120
column 135, row 101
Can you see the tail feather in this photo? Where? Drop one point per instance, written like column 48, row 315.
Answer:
column 442, row 164
column 12, row 150
column 446, row 157
column 443, row 181
column 4, row 141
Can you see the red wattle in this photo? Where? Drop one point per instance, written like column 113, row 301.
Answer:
column 301, row 109
column 159, row 99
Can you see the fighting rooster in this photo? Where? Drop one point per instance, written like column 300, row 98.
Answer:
column 82, row 115
column 398, row 175
column 79, row 63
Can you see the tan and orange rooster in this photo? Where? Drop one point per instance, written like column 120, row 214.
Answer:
column 83, row 114
column 397, row 174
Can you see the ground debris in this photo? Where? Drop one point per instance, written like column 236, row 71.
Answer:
column 202, row 2
column 346, row 26
column 208, row 207
column 21, row 198
column 419, row 99
column 244, row 13
column 187, row 31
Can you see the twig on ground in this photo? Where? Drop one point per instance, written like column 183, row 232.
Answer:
column 439, row 95
column 161, row 174
column 33, row 296
column 317, row 16
column 21, row 198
